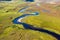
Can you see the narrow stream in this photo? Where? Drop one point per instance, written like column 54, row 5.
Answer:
column 31, row 27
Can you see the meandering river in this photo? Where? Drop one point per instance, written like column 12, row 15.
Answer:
column 31, row 27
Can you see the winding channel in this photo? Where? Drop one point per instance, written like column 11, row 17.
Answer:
column 31, row 27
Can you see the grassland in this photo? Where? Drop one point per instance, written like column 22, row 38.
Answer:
column 10, row 31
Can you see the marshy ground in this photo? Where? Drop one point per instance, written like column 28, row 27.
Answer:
column 48, row 19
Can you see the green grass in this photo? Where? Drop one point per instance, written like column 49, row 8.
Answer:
column 45, row 21
column 42, row 21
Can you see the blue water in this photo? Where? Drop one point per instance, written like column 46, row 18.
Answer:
column 30, row 0
column 31, row 27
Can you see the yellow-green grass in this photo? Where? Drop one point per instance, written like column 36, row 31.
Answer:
column 6, row 34
column 11, row 31
column 14, row 33
column 44, row 21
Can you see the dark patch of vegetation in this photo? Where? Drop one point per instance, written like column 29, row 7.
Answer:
column 7, row 11
column 14, row 26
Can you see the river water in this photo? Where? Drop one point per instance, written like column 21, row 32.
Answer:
column 31, row 27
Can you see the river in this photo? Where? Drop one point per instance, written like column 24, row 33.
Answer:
column 18, row 20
